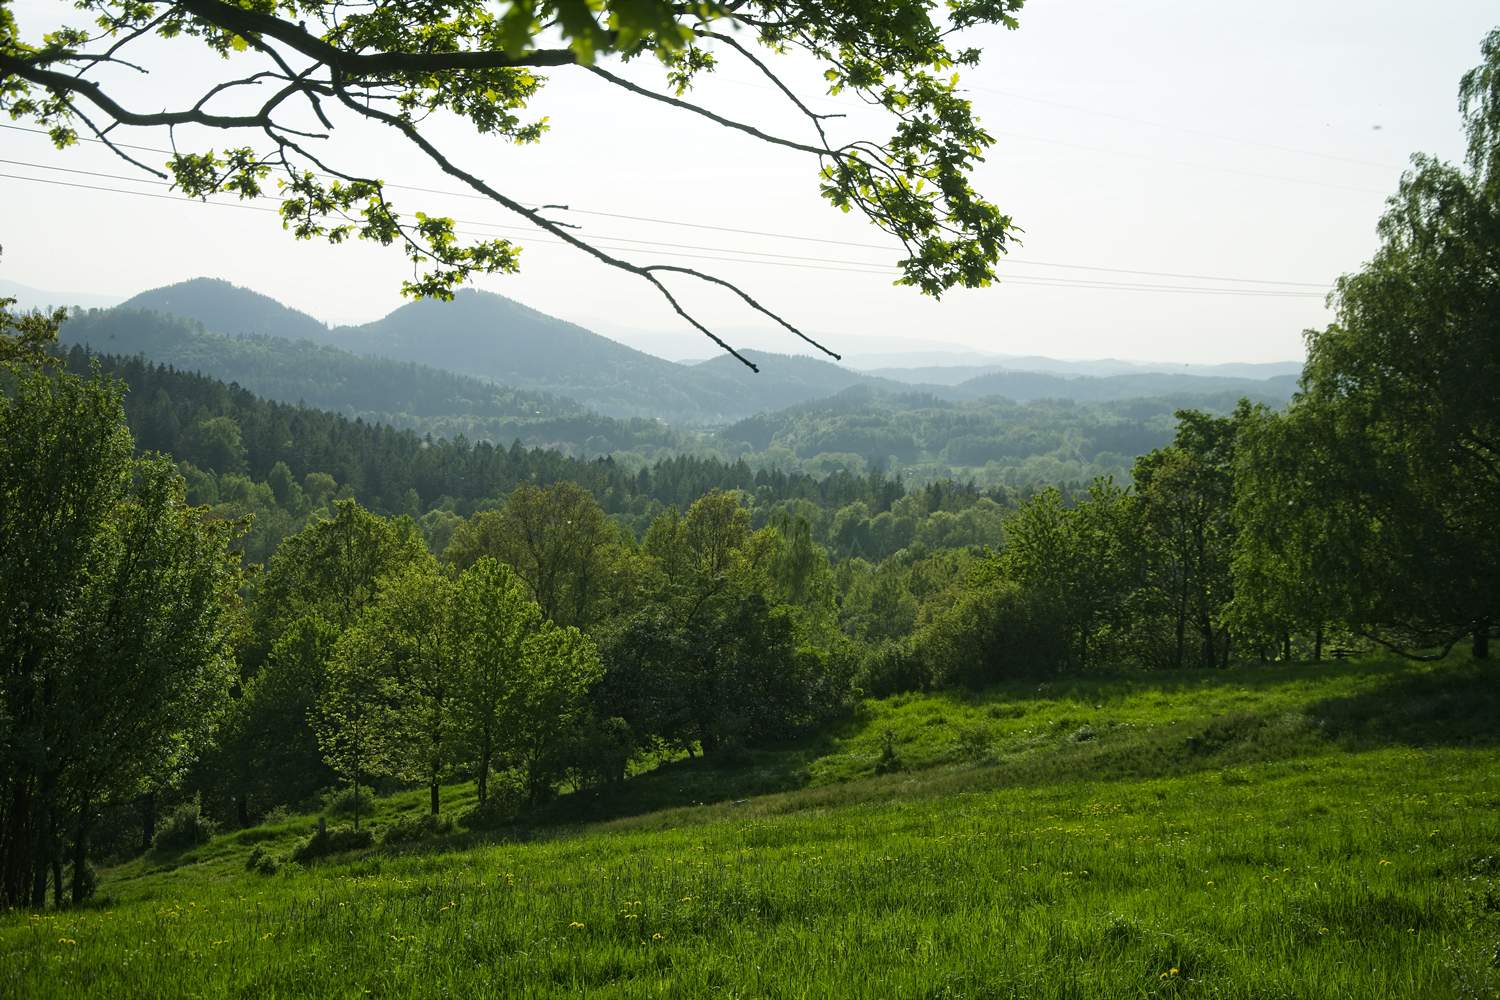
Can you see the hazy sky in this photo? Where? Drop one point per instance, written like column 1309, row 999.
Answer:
column 1191, row 138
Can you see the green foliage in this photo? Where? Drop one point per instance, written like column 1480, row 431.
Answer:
column 1012, row 435
column 399, row 393
column 267, row 753
column 27, row 337
column 413, row 829
column 343, row 801
column 494, row 617
column 262, row 861
column 325, row 843
column 479, row 65
column 332, row 568
column 185, row 827
column 505, row 798
column 557, row 538
column 989, row 633
column 117, row 605
column 1361, row 849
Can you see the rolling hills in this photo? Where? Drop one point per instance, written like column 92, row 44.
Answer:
column 489, row 336
column 400, row 393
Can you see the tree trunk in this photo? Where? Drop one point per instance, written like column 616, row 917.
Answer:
column 148, row 820
column 1481, row 647
column 1181, row 626
column 356, row 801
column 482, row 779
column 46, row 839
column 81, row 852
column 435, row 795
column 1318, row 644
column 242, row 809
column 39, row 868
column 16, row 842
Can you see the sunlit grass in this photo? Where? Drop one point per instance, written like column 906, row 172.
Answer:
column 1328, row 839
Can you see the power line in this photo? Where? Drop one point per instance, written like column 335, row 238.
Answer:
column 1014, row 261
column 611, row 242
column 728, row 255
column 723, row 254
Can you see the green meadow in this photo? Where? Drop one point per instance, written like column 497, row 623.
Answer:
column 1298, row 832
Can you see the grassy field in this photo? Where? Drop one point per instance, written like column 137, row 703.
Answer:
column 1297, row 832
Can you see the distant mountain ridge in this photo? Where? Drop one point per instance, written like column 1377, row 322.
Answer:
column 378, row 390
column 484, row 335
column 489, row 336
column 229, row 309
column 957, row 373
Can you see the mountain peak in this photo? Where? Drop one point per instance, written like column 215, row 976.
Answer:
column 224, row 307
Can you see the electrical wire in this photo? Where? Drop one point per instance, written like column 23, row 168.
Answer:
column 731, row 256
column 1014, row 261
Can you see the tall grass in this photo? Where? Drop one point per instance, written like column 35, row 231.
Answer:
column 1352, row 851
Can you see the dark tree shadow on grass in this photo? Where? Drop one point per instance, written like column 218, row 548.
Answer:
column 1455, row 706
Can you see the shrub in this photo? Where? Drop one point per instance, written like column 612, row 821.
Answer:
column 262, row 861
column 889, row 760
column 507, row 796
column 340, row 802
column 185, row 827
column 891, row 668
column 987, row 635
column 410, row 829
column 975, row 742
column 326, row 842
column 276, row 815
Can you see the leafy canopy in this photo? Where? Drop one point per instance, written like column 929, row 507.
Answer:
column 299, row 72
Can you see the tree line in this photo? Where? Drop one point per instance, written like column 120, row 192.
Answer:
column 586, row 621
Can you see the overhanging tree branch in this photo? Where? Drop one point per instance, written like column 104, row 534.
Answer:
column 398, row 62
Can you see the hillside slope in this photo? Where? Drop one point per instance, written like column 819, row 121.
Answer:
column 228, row 308
column 480, row 333
column 1310, row 832
column 1026, row 386
column 402, row 394
column 489, row 336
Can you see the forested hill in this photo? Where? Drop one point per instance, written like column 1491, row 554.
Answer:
column 962, row 369
column 226, row 308
column 993, row 442
column 490, row 336
column 237, row 439
column 856, row 424
column 402, row 394
column 1026, row 386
